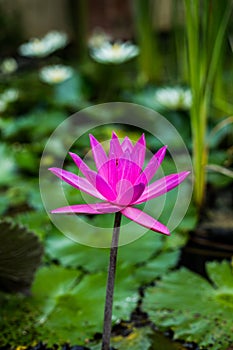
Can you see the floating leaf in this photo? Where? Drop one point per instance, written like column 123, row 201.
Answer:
column 73, row 254
column 20, row 255
column 142, row 338
column 70, row 308
column 138, row 339
column 156, row 267
column 50, row 284
column 196, row 310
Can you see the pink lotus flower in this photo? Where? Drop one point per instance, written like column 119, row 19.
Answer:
column 120, row 181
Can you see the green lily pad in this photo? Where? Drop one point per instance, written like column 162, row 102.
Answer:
column 20, row 255
column 23, row 318
column 70, row 306
column 156, row 267
column 72, row 254
column 195, row 309
column 50, row 284
column 138, row 339
column 142, row 338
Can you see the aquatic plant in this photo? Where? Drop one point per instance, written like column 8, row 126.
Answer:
column 121, row 183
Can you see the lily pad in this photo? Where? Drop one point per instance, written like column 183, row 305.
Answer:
column 70, row 253
column 138, row 339
column 193, row 308
column 20, row 255
column 70, row 306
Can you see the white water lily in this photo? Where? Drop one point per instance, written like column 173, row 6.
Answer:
column 9, row 95
column 9, row 65
column 3, row 105
column 43, row 47
column 174, row 97
column 98, row 38
column 55, row 74
column 115, row 53
column 6, row 97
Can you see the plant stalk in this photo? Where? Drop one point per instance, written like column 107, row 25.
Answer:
column 149, row 59
column 206, row 26
column 110, row 284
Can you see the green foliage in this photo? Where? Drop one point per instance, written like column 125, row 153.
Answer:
column 8, row 167
column 33, row 126
column 138, row 339
column 72, row 254
column 69, row 92
column 195, row 309
column 67, row 306
column 67, row 303
column 141, row 338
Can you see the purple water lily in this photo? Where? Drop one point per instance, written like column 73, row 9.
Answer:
column 120, row 181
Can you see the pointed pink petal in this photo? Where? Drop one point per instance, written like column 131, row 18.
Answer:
column 131, row 195
column 98, row 181
column 76, row 181
column 79, row 162
column 104, row 188
column 127, row 144
column 115, row 151
column 139, row 151
column 95, row 208
column 86, row 171
column 162, row 186
column 152, row 166
column 145, row 220
column 99, row 154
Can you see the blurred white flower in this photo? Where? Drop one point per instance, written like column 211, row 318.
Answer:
column 174, row 97
column 51, row 42
column 56, row 40
column 55, row 74
column 3, row 105
column 98, row 38
column 6, row 97
column 9, row 95
column 9, row 65
column 115, row 53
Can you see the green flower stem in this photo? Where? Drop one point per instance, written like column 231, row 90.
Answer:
column 110, row 284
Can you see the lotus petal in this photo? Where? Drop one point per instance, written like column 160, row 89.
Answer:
column 127, row 144
column 104, row 188
column 145, row 220
column 94, row 208
column 152, row 166
column 99, row 153
column 162, row 186
column 77, row 182
column 131, row 195
column 139, row 152
column 115, row 151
